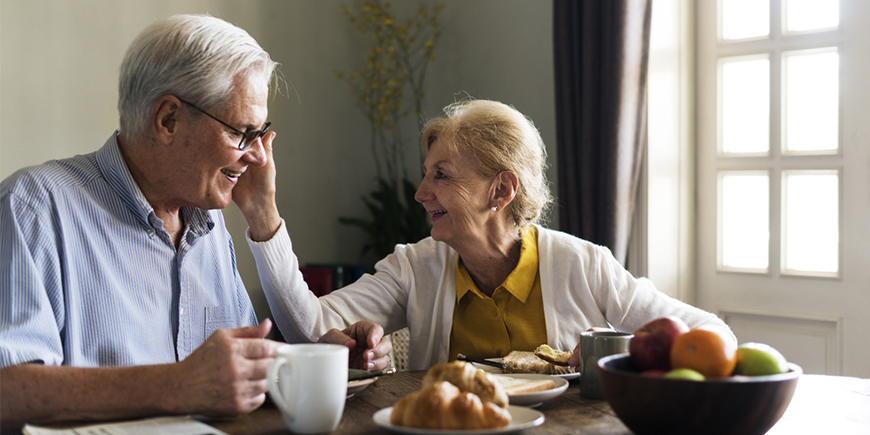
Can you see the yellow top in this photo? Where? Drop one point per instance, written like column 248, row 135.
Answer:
column 512, row 319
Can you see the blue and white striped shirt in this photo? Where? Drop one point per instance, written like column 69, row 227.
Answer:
column 89, row 277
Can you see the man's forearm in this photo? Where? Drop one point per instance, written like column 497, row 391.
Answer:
column 34, row 393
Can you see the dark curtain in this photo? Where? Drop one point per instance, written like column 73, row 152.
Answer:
column 601, row 49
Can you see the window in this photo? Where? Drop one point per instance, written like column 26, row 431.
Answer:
column 782, row 183
column 777, row 114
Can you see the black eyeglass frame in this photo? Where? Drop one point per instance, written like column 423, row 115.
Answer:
column 248, row 137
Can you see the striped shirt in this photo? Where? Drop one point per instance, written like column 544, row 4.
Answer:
column 89, row 277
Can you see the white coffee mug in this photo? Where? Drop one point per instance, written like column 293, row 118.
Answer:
column 308, row 383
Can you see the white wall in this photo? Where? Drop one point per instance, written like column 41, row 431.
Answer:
column 58, row 93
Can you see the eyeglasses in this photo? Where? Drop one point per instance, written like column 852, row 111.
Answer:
column 248, row 137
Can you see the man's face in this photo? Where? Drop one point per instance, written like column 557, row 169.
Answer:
column 209, row 161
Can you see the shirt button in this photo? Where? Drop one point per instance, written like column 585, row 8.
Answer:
column 150, row 232
column 494, row 313
column 181, row 311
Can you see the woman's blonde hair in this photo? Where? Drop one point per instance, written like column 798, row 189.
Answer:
column 501, row 139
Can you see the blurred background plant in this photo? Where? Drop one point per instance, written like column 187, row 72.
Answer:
column 389, row 91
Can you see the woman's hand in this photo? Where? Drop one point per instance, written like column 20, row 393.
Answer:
column 369, row 349
column 255, row 195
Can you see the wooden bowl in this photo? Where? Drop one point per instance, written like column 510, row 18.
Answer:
column 658, row 405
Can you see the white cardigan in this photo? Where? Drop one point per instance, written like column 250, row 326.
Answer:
column 583, row 286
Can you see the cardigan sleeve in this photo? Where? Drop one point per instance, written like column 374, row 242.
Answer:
column 591, row 288
column 303, row 317
column 628, row 302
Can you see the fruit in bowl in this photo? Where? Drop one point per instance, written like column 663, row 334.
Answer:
column 726, row 405
column 758, row 359
column 704, row 351
column 651, row 345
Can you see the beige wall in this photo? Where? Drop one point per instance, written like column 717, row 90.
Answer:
column 58, row 93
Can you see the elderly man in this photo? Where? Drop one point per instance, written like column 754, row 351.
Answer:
column 119, row 294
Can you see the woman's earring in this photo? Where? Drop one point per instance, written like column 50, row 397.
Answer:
column 495, row 208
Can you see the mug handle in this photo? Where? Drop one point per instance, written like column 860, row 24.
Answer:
column 275, row 389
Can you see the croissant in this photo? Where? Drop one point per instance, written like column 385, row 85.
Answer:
column 468, row 378
column 442, row 405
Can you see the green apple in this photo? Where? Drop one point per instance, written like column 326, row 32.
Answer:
column 689, row 374
column 759, row 359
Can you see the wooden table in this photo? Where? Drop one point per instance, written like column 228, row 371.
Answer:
column 821, row 404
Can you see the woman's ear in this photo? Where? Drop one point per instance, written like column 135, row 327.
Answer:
column 505, row 186
column 165, row 119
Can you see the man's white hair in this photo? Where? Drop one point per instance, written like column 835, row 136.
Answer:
column 194, row 57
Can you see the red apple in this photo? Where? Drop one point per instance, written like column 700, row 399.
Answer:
column 650, row 348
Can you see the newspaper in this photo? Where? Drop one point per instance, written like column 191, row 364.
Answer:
column 162, row 425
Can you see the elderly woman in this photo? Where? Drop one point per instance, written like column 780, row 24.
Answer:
column 489, row 279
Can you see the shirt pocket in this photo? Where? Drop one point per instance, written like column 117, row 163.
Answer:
column 218, row 317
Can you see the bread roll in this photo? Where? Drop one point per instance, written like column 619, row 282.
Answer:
column 442, row 405
column 468, row 378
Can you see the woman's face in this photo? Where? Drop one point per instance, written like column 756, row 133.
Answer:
column 455, row 195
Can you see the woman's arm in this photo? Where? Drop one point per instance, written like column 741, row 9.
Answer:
column 303, row 317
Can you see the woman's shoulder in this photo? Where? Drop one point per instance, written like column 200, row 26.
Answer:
column 557, row 248
column 558, row 240
column 427, row 252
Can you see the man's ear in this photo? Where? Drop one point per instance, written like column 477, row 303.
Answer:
column 165, row 120
column 505, row 188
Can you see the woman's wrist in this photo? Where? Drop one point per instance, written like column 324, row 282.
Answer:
column 263, row 225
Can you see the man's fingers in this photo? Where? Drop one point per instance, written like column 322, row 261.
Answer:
column 254, row 331
column 259, row 370
column 259, row 348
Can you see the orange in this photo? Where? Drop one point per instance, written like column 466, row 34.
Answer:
column 704, row 351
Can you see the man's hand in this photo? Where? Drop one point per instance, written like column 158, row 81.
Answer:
column 373, row 356
column 226, row 376
column 255, row 195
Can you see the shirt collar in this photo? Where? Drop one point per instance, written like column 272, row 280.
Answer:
column 518, row 283
column 117, row 174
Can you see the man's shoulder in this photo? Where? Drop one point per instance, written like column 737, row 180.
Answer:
column 38, row 181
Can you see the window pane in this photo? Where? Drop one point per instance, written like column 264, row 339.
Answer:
column 802, row 15
column 812, row 101
column 745, row 18
column 744, row 211
column 745, row 106
column 811, row 224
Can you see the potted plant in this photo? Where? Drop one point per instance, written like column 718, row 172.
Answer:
column 389, row 91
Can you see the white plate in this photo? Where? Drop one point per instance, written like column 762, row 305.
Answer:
column 491, row 369
column 354, row 387
column 521, row 419
column 537, row 397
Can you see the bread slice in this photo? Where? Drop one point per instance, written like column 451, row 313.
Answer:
column 523, row 361
column 557, row 357
column 514, row 386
